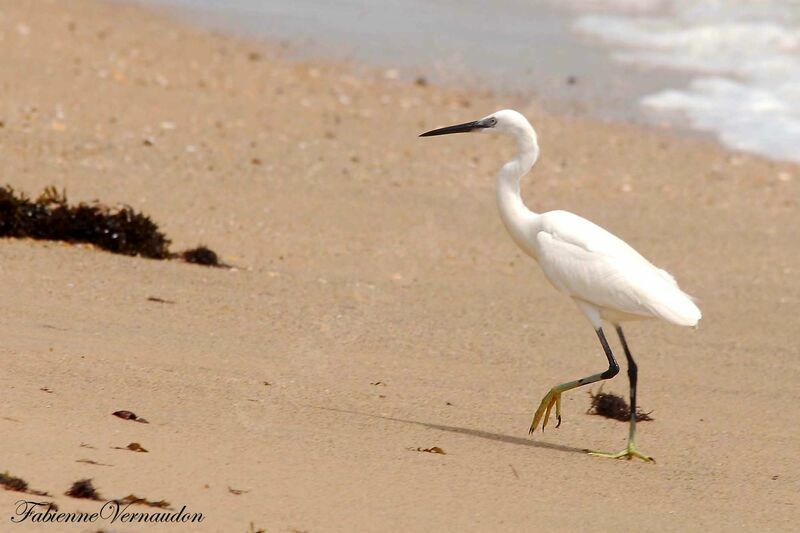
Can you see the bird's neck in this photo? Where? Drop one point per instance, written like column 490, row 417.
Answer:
column 517, row 218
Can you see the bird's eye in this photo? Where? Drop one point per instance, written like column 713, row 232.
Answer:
column 492, row 121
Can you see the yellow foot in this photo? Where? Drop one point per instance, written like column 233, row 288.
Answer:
column 543, row 412
column 627, row 453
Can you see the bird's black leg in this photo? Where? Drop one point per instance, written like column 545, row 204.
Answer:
column 613, row 367
column 554, row 396
column 633, row 374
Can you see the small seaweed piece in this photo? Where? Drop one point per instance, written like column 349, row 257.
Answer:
column 201, row 256
column 128, row 415
column 91, row 462
column 159, row 300
column 83, row 488
column 18, row 484
column 133, row 446
column 130, row 498
column 615, row 407
column 10, row 482
column 434, row 449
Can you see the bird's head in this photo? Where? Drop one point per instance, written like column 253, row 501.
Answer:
column 505, row 121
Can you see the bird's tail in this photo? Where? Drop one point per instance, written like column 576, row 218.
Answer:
column 679, row 308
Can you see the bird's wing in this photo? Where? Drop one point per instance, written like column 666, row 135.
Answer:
column 589, row 263
column 570, row 228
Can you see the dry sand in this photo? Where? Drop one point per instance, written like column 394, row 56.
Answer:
column 366, row 255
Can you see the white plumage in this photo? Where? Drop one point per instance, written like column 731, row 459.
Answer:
column 606, row 277
column 592, row 265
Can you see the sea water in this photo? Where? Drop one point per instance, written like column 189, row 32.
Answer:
column 728, row 67
column 743, row 57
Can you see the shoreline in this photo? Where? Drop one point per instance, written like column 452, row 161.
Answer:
column 568, row 74
column 378, row 308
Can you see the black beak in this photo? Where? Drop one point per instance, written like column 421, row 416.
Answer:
column 458, row 128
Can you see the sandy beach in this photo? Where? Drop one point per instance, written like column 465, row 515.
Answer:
column 377, row 304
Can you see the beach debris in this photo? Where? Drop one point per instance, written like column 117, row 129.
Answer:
column 254, row 530
column 83, row 488
column 132, row 499
column 612, row 406
column 9, row 482
column 375, row 383
column 202, row 256
column 119, row 230
column 434, row 449
column 128, row 415
column 45, row 389
column 514, row 471
column 91, row 462
column 133, row 446
column 159, row 300
column 237, row 491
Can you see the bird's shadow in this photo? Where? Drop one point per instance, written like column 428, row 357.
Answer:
column 508, row 439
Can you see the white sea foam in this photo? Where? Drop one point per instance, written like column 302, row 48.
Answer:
column 744, row 57
column 618, row 6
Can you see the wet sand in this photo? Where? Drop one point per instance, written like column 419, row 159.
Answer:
column 377, row 304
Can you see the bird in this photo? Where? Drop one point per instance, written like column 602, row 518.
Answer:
column 609, row 281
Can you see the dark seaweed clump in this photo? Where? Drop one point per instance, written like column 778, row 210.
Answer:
column 120, row 230
column 83, row 489
column 612, row 406
column 49, row 217
column 10, row 482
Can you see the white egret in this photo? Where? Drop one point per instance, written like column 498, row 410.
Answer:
column 604, row 276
